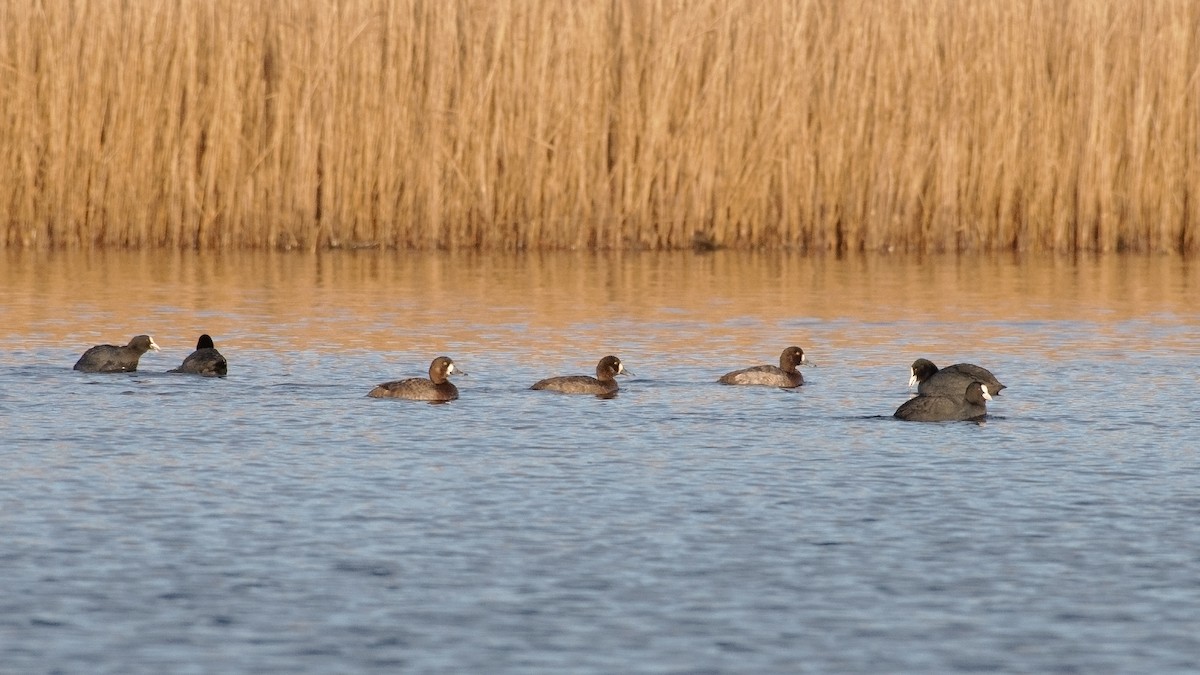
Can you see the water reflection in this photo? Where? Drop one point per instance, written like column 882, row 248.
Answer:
column 575, row 302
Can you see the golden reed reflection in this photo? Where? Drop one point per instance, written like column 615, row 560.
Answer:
column 380, row 299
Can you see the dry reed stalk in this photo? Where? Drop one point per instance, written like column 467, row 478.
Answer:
column 510, row 124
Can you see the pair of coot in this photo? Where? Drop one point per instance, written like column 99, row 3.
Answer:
column 437, row 387
column 206, row 360
column 953, row 393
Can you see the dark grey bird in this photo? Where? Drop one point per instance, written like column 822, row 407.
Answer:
column 970, row 404
column 950, row 380
column 114, row 359
column 206, row 360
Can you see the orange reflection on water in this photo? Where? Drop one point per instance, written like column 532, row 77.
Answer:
column 568, row 301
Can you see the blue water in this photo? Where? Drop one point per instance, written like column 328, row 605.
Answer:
column 280, row 521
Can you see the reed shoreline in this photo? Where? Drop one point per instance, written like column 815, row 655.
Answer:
column 801, row 125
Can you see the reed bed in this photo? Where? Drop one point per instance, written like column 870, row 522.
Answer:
column 814, row 125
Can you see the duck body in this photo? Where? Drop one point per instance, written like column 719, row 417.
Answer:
column 115, row 359
column 951, row 380
column 767, row 376
column 970, row 404
column 435, row 388
column 603, row 384
column 784, row 375
column 206, row 360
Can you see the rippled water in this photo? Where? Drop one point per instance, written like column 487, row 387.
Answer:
column 280, row 521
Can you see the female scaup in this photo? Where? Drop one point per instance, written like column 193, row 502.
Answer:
column 603, row 384
column 783, row 375
column 436, row 388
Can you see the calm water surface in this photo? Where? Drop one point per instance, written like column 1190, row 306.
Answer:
column 280, row 521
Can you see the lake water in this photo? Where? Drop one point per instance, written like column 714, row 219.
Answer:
column 280, row 521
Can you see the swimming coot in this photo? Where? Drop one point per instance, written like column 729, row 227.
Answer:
column 603, row 384
column 784, row 375
column 206, row 360
column 114, row 359
column 436, row 388
column 969, row 404
column 950, row 380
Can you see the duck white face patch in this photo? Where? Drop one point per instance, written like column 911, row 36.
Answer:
column 912, row 377
column 450, row 368
column 985, row 392
column 153, row 345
